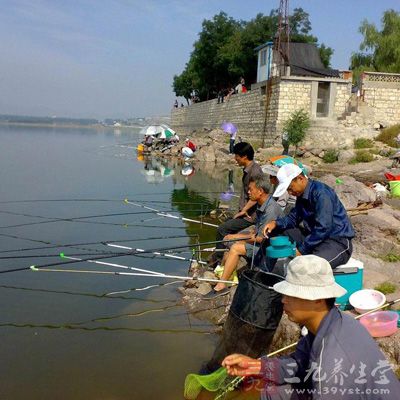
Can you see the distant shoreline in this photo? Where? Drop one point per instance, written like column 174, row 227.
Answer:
column 52, row 125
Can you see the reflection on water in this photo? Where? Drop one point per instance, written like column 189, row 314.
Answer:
column 92, row 337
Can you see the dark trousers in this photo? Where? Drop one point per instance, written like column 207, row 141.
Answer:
column 233, row 225
column 231, row 144
column 337, row 251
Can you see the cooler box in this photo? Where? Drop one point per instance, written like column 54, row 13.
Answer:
column 349, row 276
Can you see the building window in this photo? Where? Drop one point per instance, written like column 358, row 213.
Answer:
column 263, row 57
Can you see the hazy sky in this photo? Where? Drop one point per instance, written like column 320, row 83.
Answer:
column 116, row 58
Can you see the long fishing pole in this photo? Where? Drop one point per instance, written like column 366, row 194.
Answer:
column 167, row 215
column 166, row 276
column 88, row 243
column 123, row 254
column 236, row 381
column 168, row 255
column 76, row 219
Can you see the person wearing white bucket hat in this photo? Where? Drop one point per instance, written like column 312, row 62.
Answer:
column 337, row 359
column 318, row 223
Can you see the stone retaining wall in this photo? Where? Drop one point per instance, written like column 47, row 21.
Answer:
column 247, row 110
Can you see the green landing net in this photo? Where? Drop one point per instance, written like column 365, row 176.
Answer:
column 214, row 382
column 219, row 381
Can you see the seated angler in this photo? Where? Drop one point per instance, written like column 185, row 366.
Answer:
column 244, row 156
column 336, row 360
column 267, row 210
column 318, row 223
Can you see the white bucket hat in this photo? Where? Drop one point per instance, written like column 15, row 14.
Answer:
column 285, row 176
column 311, row 278
column 270, row 169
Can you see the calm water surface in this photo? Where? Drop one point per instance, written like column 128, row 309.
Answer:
column 61, row 337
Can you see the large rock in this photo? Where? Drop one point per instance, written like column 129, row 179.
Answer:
column 350, row 191
column 206, row 154
column 346, row 155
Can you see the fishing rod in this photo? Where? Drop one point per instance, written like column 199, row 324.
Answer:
column 99, row 200
column 168, row 255
column 89, row 243
column 236, row 381
column 123, row 254
column 117, row 273
column 167, row 215
column 77, row 219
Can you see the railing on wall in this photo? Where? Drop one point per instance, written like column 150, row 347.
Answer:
column 380, row 77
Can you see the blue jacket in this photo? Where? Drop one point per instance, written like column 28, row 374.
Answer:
column 322, row 214
column 341, row 361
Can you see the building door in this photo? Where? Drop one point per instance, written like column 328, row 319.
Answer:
column 323, row 99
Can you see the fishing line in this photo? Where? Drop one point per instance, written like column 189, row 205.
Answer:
column 141, row 289
column 95, row 295
column 103, row 328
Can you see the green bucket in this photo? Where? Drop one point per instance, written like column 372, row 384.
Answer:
column 395, row 188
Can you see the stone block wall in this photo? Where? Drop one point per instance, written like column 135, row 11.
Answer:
column 248, row 110
column 342, row 98
column 245, row 110
column 381, row 92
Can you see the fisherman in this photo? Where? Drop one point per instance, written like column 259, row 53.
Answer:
column 337, row 359
column 318, row 224
column 244, row 156
column 285, row 201
column 267, row 210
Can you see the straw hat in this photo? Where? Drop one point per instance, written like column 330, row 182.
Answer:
column 311, row 278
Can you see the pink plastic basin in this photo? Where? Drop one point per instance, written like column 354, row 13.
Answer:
column 380, row 323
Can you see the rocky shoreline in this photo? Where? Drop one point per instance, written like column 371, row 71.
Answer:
column 377, row 229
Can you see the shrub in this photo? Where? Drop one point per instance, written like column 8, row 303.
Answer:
column 386, row 287
column 388, row 135
column 296, row 127
column 363, row 143
column 362, row 156
column 391, row 257
column 330, row 156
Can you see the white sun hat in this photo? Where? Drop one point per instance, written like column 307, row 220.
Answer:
column 311, row 278
column 285, row 176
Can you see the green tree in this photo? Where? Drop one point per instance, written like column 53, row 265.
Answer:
column 225, row 50
column 296, row 127
column 379, row 50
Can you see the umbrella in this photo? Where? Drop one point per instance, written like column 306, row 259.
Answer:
column 152, row 130
column 228, row 127
column 166, row 134
column 282, row 160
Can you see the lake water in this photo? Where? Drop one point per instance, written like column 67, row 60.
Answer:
column 61, row 336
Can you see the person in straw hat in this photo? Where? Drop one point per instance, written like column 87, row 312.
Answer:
column 337, row 359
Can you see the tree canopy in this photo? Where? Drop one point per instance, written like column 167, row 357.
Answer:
column 224, row 51
column 379, row 50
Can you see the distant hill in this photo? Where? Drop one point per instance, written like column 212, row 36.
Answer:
column 138, row 121
column 23, row 119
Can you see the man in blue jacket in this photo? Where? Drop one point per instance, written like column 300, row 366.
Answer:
column 318, row 223
column 337, row 359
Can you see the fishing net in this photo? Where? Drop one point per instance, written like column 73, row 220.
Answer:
column 213, row 382
column 249, row 329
